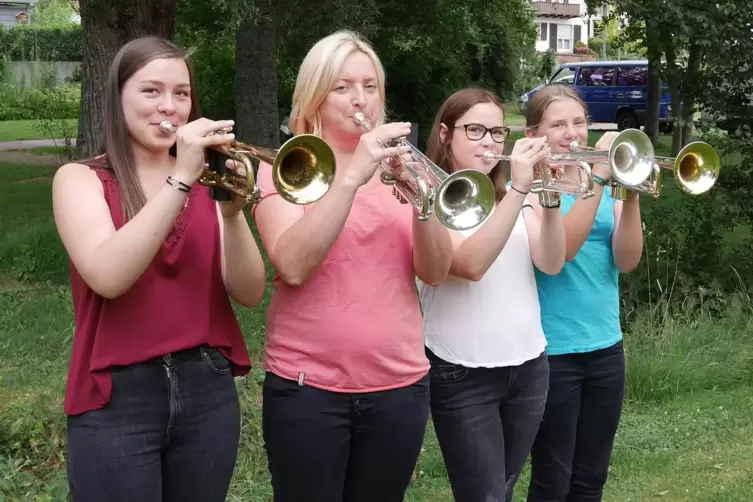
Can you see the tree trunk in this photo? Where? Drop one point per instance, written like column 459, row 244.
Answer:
column 106, row 26
column 691, row 95
column 674, row 80
column 257, row 119
column 653, row 91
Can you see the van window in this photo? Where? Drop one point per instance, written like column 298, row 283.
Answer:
column 632, row 76
column 564, row 76
column 597, row 76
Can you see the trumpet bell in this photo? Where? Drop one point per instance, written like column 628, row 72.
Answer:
column 464, row 199
column 632, row 157
column 696, row 168
column 303, row 169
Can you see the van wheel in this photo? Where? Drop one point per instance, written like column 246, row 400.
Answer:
column 627, row 119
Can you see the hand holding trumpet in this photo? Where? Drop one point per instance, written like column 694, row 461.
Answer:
column 191, row 141
column 526, row 153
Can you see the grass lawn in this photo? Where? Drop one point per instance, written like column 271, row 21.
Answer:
column 18, row 130
column 686, row 433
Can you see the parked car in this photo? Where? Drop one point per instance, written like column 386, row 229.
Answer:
column 614, row 91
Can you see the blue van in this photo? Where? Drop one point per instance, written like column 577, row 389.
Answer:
column 614, row 91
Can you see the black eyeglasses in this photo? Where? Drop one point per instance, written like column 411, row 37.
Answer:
column 475, row 132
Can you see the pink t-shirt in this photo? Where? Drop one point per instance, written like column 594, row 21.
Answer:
column 354, row 325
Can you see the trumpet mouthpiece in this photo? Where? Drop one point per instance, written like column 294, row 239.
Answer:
column 167, row 126
column 488, row 157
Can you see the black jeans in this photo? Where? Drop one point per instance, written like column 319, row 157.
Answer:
column 330, row 447
column 170, row 433
column 486, row 420
column 570, row 457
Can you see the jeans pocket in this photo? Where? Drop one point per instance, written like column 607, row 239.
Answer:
column 278, row 388
column 447, row 372
column 218, row 363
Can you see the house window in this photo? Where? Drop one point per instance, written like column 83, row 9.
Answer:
column 564, row 37
column 542, row 31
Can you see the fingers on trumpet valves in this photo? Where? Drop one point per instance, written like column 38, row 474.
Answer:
column 236, row 166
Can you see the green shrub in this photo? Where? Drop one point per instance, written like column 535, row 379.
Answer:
column 48, row 103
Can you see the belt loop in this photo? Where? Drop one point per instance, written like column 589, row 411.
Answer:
column 301, row 377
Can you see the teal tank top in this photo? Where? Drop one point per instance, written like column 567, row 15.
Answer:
column 580, row 310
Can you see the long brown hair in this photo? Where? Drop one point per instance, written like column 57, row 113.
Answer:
column 450, row 112
column 545, row 97
column 115, row 149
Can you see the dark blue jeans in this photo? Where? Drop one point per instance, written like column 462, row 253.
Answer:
column 570, row 457
column 335, row 447
column 486, row 420
column 170, row 433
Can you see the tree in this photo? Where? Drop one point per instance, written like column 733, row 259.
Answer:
column 106, row 27
column 257, row 118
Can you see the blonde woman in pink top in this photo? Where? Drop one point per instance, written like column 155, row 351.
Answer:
column 346, row 393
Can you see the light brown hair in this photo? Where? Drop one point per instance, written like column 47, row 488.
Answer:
column 115, row 149
column 450, row 112
column 545, row 97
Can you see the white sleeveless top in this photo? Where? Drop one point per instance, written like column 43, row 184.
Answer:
column 490, row 323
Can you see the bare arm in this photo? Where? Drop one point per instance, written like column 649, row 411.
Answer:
column 579, row 220
column 109, row 261
column 627, row 239
column 546, row 237
column 112, row 261
column 432, row 250
column 242, row 265
column 473, row 256
column 298, row 243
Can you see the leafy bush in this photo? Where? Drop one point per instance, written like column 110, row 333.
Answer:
column 48, row 103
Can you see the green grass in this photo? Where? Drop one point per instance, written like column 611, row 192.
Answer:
column 44, row 150
column 18, row 130
column 685, row 436
column 513, row 117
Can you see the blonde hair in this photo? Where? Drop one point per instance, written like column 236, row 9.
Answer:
column 318, row 74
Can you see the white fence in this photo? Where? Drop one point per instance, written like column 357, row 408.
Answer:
column 37, row 73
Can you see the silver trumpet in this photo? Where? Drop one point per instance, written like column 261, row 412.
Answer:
column 548, row 183
column 462, row 200
column 630, row 157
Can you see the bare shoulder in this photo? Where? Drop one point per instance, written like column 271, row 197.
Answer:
column 75, row 174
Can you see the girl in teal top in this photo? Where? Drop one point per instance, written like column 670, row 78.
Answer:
column 580, row 316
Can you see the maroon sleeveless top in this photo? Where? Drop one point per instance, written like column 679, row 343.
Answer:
column 178, row 303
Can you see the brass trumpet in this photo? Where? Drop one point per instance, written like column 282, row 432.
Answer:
column 303, row 168
column 462, row 199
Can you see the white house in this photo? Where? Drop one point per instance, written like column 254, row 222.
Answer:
column 16, row 12
column 562, row 23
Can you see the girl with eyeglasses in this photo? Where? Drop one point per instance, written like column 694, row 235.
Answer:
column 482, row 326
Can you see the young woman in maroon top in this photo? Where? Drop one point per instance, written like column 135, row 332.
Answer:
column 152, row 408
